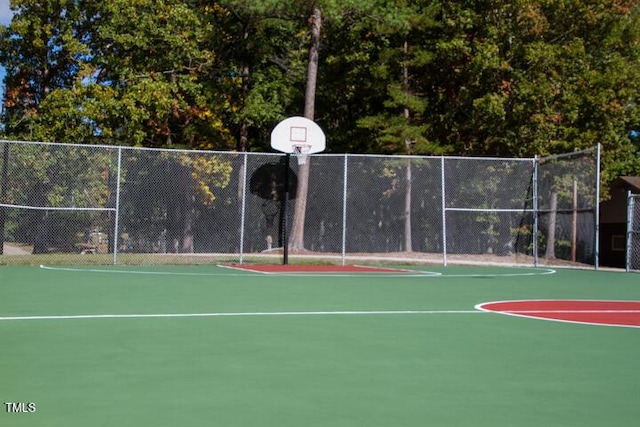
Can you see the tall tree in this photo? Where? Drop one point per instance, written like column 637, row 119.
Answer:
column 484, row 78
column 259, row 57
column 42, row 50
column 141, row 73
column 400, row 125
column 533, row 77
column 297, row 230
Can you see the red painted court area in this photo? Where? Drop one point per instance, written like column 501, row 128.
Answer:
column 329, row 269
column 594, row 312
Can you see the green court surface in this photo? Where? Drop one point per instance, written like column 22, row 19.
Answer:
column 207, row 345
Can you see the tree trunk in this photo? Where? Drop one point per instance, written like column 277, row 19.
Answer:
column 551, row 231
column 504, row 241
column 243, row 144
column 187, row 234
column 180, row 212
column 408, row 245
column 40, row 234
column 187, row 214
column 41, row 238
column 296, row 241
column 173, row 225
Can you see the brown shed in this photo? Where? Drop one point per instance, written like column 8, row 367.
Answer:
column 613, row 221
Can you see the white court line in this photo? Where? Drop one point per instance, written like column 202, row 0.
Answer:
column 539, row 315
column 299, row 314
column 540, row 272
column 245, row 273
column 384, row 272
column 561, row 311
column 241, row 273
column 239, row 314
column 158, row 273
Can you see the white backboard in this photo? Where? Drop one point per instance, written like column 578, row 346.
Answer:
column 298, row 131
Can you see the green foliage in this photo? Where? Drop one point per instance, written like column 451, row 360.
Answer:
column 39, row 171
column 471, row 78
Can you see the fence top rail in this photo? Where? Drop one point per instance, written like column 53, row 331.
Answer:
column 563, row 155
column 413, row 156
column 55, row 208
column 395, row 156
column 127, row 147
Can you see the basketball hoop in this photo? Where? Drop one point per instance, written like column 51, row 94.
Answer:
column 299, row 136
column 301, row 151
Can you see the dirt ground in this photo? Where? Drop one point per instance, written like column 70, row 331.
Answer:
column 14, row 250
column 438, row 259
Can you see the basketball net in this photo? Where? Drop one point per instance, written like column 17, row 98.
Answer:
column 301, row 151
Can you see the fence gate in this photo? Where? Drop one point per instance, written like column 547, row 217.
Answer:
column 633, row 232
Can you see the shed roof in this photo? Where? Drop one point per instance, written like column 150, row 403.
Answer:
column 631, row 183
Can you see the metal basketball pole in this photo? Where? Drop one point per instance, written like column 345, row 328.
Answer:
column 285, row 222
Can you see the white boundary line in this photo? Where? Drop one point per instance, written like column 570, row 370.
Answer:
column 239, row 314
column 478, row 310
column 384, row 272
column 248, row 272
column 241, row 272
column 530, row 314
column 542, row 271
column 158, row 273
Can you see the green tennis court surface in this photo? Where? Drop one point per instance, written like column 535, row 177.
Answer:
column 207, row 345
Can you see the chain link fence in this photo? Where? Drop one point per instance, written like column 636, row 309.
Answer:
column 633, row 232
column 488, row 209
column 81, row 204
column 567, row 198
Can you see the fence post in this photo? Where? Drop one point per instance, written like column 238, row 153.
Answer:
column 344, row 212
column 3, row 192
column 536, row 161
column 117, row 221
column 243, row 204
column 630, row 208
column 444, row 215
column 596, row 243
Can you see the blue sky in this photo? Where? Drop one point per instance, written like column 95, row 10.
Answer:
column 5, row 19
column 5, row 12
